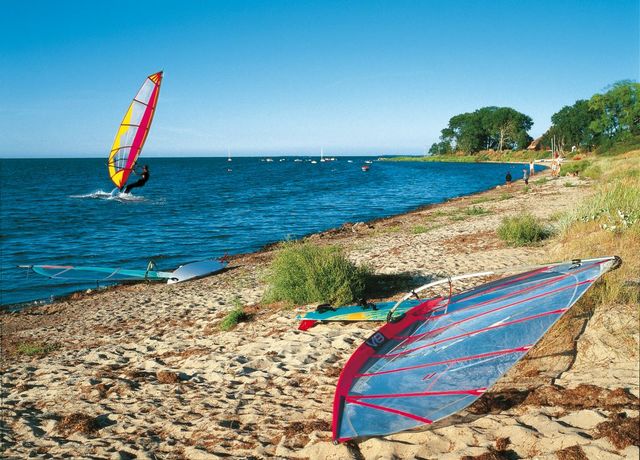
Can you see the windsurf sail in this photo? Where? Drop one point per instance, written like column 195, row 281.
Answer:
column 185, row 272
column 442, row 355
column 133, row 130
column 98, row 274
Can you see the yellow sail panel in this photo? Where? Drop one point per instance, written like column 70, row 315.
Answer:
column 133, row 130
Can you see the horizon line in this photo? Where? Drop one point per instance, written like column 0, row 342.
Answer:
column 77, row 157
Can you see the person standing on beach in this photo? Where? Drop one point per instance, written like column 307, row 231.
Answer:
column 507, row 178
column 532, row 168
column 525, row 176
column 144, row 177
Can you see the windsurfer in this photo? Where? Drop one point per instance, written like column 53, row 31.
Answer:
column 144, row 177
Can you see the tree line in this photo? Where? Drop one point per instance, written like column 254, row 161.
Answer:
column 603, row 120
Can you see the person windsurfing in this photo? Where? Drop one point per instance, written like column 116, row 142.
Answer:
column 144, row 177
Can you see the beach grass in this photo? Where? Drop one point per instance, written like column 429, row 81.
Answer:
column 608, row 223
column 36, row 348
column 574, row 167
column 522, row 230
column 303, row 273
column 418, row 229
column 615, row 207
column 476, row 211
column 482, row 199
column 593, row 171
column 233, row 318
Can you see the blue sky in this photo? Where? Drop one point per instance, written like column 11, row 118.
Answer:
column 266, row 77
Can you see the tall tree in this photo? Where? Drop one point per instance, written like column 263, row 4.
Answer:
column 571, row 126
column 488, row 128
column 618, row 111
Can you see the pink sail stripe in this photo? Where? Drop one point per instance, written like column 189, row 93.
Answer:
column 473, row 392
column 479, row 294
column 505, row 296
column 141, row 134
column 521, row 349
column 415, row 338
column 358, row 359
column 506, row 283
column 393, row 411
column 489, row 328
column 434, row 381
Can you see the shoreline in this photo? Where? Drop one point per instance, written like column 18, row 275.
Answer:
column 144, row 370
column 82, row 292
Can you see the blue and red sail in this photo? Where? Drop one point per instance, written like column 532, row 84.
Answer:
column 442, row 355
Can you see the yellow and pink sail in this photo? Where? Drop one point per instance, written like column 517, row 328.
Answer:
column 133, row 130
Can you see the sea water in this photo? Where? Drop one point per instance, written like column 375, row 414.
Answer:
column 65, row 211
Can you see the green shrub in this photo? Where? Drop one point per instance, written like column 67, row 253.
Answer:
column 36, row 348
column 522, row 230
column 302, row 273
column 419, row 229
column 476, row 211
column 235, row 316
column 569, row 184
column 482, row 199
column 574, row 167
column 613, row 147
column 541, row 181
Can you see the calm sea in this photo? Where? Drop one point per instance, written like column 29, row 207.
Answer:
column 57, row 211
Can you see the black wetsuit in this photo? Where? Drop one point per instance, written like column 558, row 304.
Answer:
column 139, row 183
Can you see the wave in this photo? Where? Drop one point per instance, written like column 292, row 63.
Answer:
column 114, row 195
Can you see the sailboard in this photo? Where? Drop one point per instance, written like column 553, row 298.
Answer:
column 133, row 131
column 369, row 312
column 443, row 354
column 185, row 272
column 98, row 274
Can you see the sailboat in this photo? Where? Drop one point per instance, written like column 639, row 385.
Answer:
column 228, row 154
column 133, row 131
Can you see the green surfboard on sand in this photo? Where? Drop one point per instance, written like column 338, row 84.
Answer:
column 371, row 312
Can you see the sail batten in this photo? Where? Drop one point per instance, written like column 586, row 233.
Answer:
column 133, row 130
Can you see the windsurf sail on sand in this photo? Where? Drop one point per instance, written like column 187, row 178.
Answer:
column 185, row 272
column 442, row 355
column 70, row 272
column 133, row 130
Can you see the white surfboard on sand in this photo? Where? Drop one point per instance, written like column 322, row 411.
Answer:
column 195, row 270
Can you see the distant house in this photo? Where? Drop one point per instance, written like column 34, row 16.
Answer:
column 535, row 144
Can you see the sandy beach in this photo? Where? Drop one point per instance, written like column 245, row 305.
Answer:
column 144, row 371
